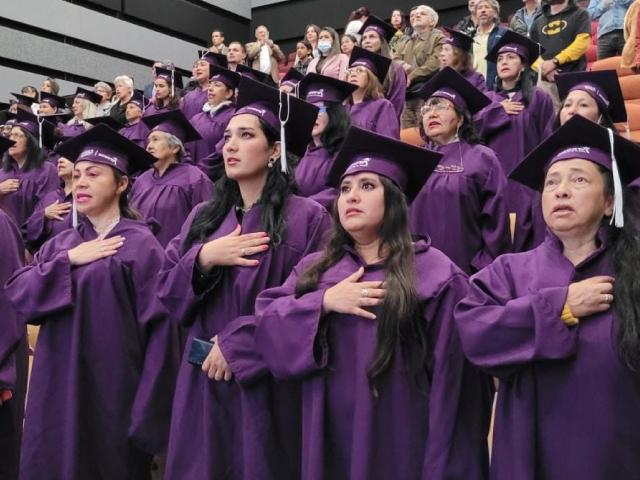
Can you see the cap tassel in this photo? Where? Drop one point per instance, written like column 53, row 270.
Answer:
column 40, row 122
column 173, row 88
column 74, row 215
column 283, row 122
column 617, row 218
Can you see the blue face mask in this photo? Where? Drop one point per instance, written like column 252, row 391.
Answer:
column 324, row 46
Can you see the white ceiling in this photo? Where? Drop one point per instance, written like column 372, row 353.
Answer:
column 241, row 7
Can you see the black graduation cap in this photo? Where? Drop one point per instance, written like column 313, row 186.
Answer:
column 579, row 138
column 170, row 75
column 173, row 122
column 382, row 28
column 292, row 78
column 264, row 102
column 254, row 74
column 106, row 120
column 138, row 98
column 92, row 96
column 24, row 99
column 5, row 144
column 459, row 39
column 224, row 75
column 378, row 64
column 602, row 85
column 213, row 58
column 35, row 125
column 54, row 100
column 103, row 145
column 516, row 43
column 58, row 117
column 406, row 165
column 316, row 88
column 6, row 116
column 449, row 84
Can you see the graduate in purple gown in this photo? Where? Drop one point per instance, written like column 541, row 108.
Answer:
column 462, row 207
column 329, row 130
column 457, row 53
column 558, row 324
column 84, row 106
column 25, row 177
column 367, row 106
column 166, row 86
column 376, row 34
column 290, row 81
column 367, row 327
column 167, row 192
column 213, row 118
column 52, row 214
column 13, row 350
column 520, row 117
column 135, row 129
column 51, row 104
column 193, row 101
column 230, row 249
column 102, row 380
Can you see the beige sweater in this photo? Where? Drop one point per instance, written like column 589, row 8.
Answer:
column 631, row 50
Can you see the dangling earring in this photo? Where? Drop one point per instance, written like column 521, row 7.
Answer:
column 271, row 162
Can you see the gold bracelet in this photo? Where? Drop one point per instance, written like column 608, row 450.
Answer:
column 567, row 317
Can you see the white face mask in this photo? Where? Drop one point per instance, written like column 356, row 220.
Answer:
column 324, row 46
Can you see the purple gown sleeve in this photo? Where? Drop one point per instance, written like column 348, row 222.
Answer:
column 397, row 88
column 42, row 288
column 325, row 197
column 494, row 219
column 545, row 114
column 202, row 191
column 459, row 398
column 151, row 410
column 503, row 333
column 387, row 122
column 289, row 333
column 38, row 228
column 491, row 118
column 50, row 181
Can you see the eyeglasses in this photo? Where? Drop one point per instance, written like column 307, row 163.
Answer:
column 438, row 107
column 357, row 70
column 17, row 136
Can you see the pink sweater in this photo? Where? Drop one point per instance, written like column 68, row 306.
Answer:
column 335, row 67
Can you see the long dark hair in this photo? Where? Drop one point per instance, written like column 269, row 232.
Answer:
column 401, row 321
column 335, row 131
column 227, row 196
column 35, row 155
column 126, row 210
column 626, row 289
column 466, row 133
column 525, row 84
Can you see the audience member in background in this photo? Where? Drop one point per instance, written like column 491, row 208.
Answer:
column 610, row 17
column 420, row 59
column 486, row 37
column 347, row 42
column 311, row 35
column 563, row 30
column 217, row 42
column 264, row 55
column 367, row 106
column 375, row 35
column 236, row 55
column 522, row 19
column 167, row 92
column 104, row 90
column 50, row 86
column 403, row 31
column 469, row 23
column 24, row 102
column 124, row 92
column 631, row 51
column 355, row 21
column 304, row 54
column 331, row 62
column 84, row 106
column 457, row 53
column 289, row 82
column 148, row 90
column 31, row 91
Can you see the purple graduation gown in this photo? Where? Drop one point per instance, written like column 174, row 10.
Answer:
column 193, row 102
column 102, row 380
column 220, row 429
column 567, row 406
column 311, row 176
column 464, row 213
column 396, row 88
column 476, row 79
column 34, row 185
column 38, row 229
column 432, row 433
column 377, row 116
column 70, row 131
column 165, row 201
column 153, row 109
column 211, row 129
column 13, row 353
column 136, row 132
column 512, row 137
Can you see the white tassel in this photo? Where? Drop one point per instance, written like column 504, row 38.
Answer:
column 74, row 215
column 283, row 122
column 173, row 78
column 617, row 218
column 40, row 122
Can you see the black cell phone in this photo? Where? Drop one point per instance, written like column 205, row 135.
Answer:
column 198, row 351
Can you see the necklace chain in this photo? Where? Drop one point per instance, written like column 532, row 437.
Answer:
column 105, row 231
